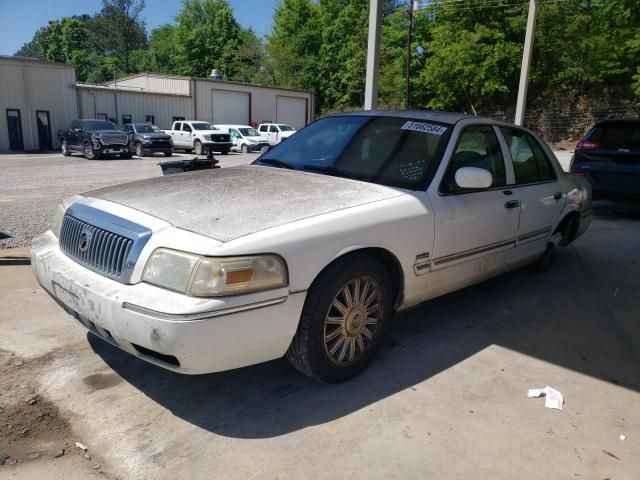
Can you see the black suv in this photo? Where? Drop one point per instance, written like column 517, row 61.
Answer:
column 95, row 139
column 145, row 138
column 609, row 156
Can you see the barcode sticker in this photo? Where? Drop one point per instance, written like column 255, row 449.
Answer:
column 424, row 127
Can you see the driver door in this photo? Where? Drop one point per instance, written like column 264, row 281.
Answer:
column 475, row 230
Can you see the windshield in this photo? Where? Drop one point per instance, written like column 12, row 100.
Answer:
column 147, row 129
column 249, row 132
column 203, row 126
column 93, row 125
column 390, row 151
column 286, row 128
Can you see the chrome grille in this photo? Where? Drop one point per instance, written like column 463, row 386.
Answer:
column 114, row 139
column 102, row 242
column 98, row 249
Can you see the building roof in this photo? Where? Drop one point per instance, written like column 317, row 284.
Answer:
column 15, row 58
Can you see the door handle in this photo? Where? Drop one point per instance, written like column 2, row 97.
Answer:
column 507, row 192
column 512, row 204
column 557, row 195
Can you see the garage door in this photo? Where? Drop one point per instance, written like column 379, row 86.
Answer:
column 292, row 111
column 230, row 107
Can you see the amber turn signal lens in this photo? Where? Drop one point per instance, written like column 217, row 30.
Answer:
column 239, row 276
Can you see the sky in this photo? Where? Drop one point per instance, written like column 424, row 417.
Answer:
column 20, row 19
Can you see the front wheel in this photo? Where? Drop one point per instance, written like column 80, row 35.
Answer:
column 139, row 150
column 169, row 153
column 198, row 146
column 244, row 148
column 225, row 151
column 89, row 152
column 65, row 148
column 344, row 320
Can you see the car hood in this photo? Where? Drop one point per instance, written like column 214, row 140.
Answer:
column 229, row 203
column 107, row 132
column 155, row 136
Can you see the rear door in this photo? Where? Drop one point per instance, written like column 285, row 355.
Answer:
column 536, row 187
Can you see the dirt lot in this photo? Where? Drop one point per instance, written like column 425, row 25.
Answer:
column 447, row 397
column 31, row 186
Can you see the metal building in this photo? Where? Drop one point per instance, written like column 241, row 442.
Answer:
column 36, row 99
column 39, row 98
column 161, row 99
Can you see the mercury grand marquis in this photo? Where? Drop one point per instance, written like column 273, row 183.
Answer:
column 310, row 251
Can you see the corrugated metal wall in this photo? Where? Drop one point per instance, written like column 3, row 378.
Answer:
column 28, row 86
column 263, row 100
column 157, row 83
column 136, row 104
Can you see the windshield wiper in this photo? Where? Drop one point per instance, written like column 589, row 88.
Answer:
column 333, row 171
column 277, row 163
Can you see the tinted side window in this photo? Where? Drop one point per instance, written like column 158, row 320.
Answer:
column 186, row 127
column 177, row 126
column 478, row 147
column 273, row 129
column 530, row 163
column 263, row 128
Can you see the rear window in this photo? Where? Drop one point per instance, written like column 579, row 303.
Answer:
column 616, row 136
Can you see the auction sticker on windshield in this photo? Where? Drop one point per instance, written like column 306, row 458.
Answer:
column 424, row 127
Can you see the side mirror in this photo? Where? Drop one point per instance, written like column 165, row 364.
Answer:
column 473, row 178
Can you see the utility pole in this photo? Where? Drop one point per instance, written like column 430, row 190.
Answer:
column 115, row 93
column 526, row 62
column 407, row 88
column 373, row 55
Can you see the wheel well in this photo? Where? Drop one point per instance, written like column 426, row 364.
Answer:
column 388, row 261
column 568, row 235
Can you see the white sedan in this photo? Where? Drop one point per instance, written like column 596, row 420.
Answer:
column 309, row 252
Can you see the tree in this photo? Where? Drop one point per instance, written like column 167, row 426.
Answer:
column 161, row 54
column 119, row 30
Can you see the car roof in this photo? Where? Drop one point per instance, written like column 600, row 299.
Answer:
column 231, row 125
column 618, row 122
column 444, row 117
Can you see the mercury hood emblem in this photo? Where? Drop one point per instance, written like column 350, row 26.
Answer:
column 85, row 241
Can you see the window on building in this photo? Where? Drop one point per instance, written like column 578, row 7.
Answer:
column 14, row 124
column 150, row 119
column 126, row 119
column 177, row 119
column 530, row 162
column 102, row 116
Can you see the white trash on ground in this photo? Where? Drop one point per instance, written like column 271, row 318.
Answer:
column 622, row 437
column 553, row 398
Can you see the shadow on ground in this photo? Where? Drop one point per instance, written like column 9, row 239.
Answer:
column 580, row 315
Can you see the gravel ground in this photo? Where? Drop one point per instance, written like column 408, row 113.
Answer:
column 31, row 186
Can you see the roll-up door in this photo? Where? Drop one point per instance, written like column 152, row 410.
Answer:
column 292, row 111
column 230, row 107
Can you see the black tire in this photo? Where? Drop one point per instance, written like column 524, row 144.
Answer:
column 188, row 150
column 309, row 351
column 64, row 148
column 546, row 260
column 244, row 148
column 139, row 150
column 225, row 151
column 126, row 156
column 198, row 149
column 89, row 152
column 169, row 153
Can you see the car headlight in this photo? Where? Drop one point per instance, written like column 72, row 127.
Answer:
column 214, row 276
column 56, row 223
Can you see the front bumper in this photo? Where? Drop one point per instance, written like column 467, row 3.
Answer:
column 101, row 149
column 217, row 146
column 180, row 333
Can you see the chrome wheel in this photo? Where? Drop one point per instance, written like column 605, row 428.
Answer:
column 353, row 320
column 64, row 148
column 198, row 148
column 139, row 150
column 88, row 151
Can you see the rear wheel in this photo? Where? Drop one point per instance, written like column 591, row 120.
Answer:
column 344, row 320
column 126, row 155
column 169, row 153
column 225, row 151
column 65, row 148
column 198, row 146
column 244, row 148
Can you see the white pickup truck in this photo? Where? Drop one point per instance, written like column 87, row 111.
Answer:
column 200, row 136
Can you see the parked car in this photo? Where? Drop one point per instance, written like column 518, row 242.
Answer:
column 276, row 132
column 199, row 136
column 310, row 251
column 95, row 139
column 609, row 156
column 244, row 138
column 145, row 138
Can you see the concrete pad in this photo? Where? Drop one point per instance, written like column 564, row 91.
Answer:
column 447, row 399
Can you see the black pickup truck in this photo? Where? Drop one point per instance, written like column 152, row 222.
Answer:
column 95, row 139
